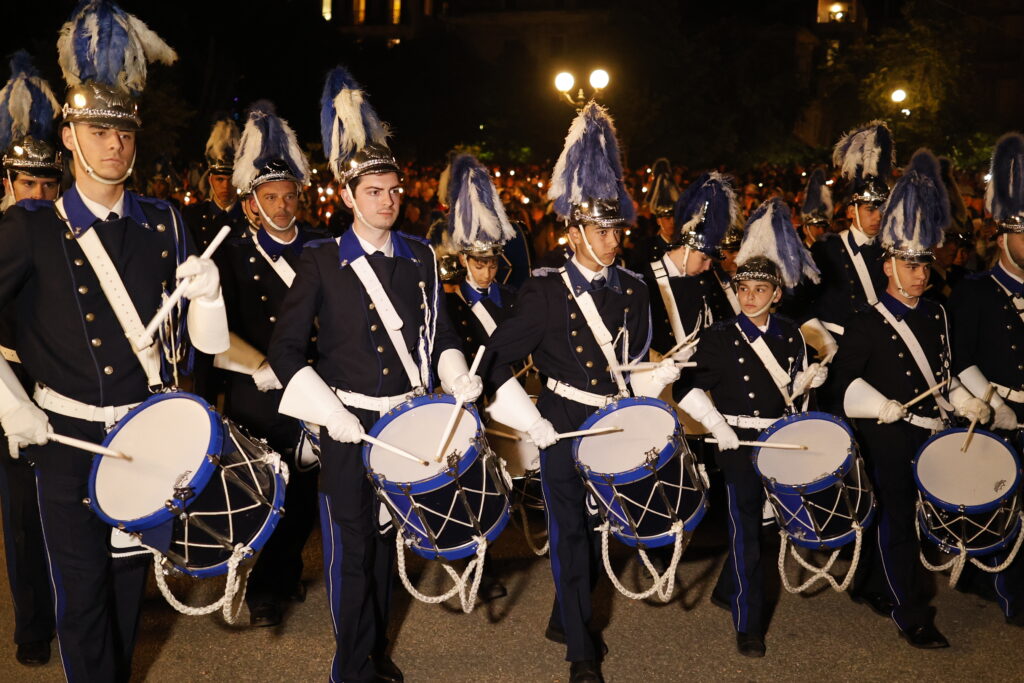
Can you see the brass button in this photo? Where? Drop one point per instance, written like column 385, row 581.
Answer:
column 273, row 318
column 593, row 382
column 751, row 394
column 746, row 378
column 386, row 371
column 164, row 253
column 590, row 363
column 422, row 306
column 373, row 327
column 573, row 315
column 89, row 317
column 743, row 360
column 372, row 307
column 108, row 370
column 83, row 290
column 313, row 339
column 97, row 341
column 629, row 291
column 465, row 322
column 574, row 333
column 68, row 235
column 757, row 413
column 252, row 259
column 422, row 283
column 625, row 310
column 256, row 276
column 160, row 227
column 380, row 349
column 579, row 349
column 469, row 339
column 79, row 262
column 263, row 297
column 908, row 373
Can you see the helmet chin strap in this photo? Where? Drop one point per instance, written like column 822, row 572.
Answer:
column 355, row 209
column 590, row 249
column 89, row 169
column 267, row 219
column 899, row 285
column 1006, row 251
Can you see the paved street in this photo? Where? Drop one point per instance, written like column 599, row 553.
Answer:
column 824, row 636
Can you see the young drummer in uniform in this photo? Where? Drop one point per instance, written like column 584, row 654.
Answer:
column 383, row 336
column 32, row 170
column 222, row 207
column 256, row 271
column 987, row 328
column 72, row 338
column 721, row 296
column 891, row 352
column 756, row 370
column 660, row 199
column 581, row 323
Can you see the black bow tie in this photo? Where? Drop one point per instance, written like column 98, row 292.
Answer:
column 598, row 282
column 112, row 216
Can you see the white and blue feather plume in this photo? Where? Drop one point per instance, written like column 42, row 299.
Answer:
column 770, row 233
column 266, row 139
column 27, row 105
column 103, row 43
column 589, row 167
column 708, row 207
column 865, row 151
column 917, row 211
column 1004, row 196
column 347, row 121
column 817, row 198
column 476, row 216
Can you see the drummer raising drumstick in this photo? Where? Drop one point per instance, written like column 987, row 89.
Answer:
column 755, row 368
column 891, row 352
column 383, row 335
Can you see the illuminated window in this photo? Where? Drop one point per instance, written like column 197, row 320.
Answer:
column 325, row 9
column 396, row 11
column 359, row 12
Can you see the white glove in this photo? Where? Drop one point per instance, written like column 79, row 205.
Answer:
column 467, row 388
column 205, row 278
column 25, row 425
column 265, row 378
column 343, row 426
column 727, row 439
column 1003, row 417
column 974, row 409
column 684, row 354
column 542, row 433
column 891, row 411
column 811, row 378
column 666, row 373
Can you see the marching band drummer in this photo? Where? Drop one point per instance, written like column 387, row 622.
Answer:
column 987, row 312
column 32, row 170
column 721, row 296
column 891, row 352
column 660, row 200
column 257, row 269
column 756, row 369
column 383, row 335
column 205, row 218
column 74, row 326
column 581, row 323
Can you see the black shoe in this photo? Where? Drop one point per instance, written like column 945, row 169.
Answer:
column 750, row 645
column 265, row 614
column 34, row 653
column 879, row 604
column 556, row 635
column 297, row 594
column 587, row 671
column 720, row 602
column 925, row 637
column 386, row 669
column 491, row 589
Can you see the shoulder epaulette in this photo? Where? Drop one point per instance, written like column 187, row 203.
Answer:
column 161, row 204
column 627, row 271
column 313, row 244
column 414, row 238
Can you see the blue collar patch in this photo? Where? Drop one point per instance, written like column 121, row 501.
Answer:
column 349, row 248
column 81, row 218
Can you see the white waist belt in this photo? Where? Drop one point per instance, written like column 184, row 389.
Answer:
column 48, row 399
column 932, row 423
column 381, row 404
column 9, row 354
column 744, row 422
column 573, row 394
column 1006, row 392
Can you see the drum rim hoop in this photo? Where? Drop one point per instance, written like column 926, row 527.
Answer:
column 830, row 479
column 637, row 473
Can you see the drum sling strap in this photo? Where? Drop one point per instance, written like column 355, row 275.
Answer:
column 600, row 331
column 389, row 316
column 862, row 271
column 280, row 266
column 914, row 346
column 779, row 376
column 729, row 294
column 669, row 299
column 118, row 298
column 482, row 314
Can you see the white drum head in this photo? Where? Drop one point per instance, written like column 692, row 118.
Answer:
column 519, row 456
column 985, row 473
column 418, row 431
column 168, row 442
column 827, row 444
column 644, row 427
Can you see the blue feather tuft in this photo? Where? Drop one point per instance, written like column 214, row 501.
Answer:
column 865, row 151
column 27, row 105
column 1004, row 196
column 338, row 79
column 770, row 234
column 714, row 191
column 917, row 211
column 476, row 216
column 816, row 193
column 347, row 120
column 21, row 65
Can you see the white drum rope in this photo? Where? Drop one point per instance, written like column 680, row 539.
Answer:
column 957, row 563
column 467, row 585
column 664, row 584
column 234, row 586
column 525, row 523
column 819, row 573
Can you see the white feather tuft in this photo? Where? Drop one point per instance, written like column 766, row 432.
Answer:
column 558, row 182
column 248, row 151
column 223, row 137
column 759, row 240
column 296, row 154
column 19, row 106
column 154, row 47
column 66, row 54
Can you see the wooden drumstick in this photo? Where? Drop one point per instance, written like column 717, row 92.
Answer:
column 928, row 392
column 393, row 449
column 526, row 369
column 504, row 435
column 596, row 431
column 644, row 365
column 768, row 444
column 146, row 339
column 450, row 427
column 89, row 446
column 974, row 422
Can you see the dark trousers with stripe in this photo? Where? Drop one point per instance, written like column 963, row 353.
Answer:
column 741, row 581
column 890, row 556
column 358, row 561
column 278, row 570
column 27, row 572
column 97, row 599
column 570, row 530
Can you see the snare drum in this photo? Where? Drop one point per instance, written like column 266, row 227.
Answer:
column 196, row 486
column 521, row 462
column 819, row 493
column 442, row 508
column 643, row 478
column 971, row 498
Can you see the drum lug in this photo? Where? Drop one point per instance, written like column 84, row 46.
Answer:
column 651, row 459
column 87, row 502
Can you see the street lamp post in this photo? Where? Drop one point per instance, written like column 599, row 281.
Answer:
column 565, row 81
